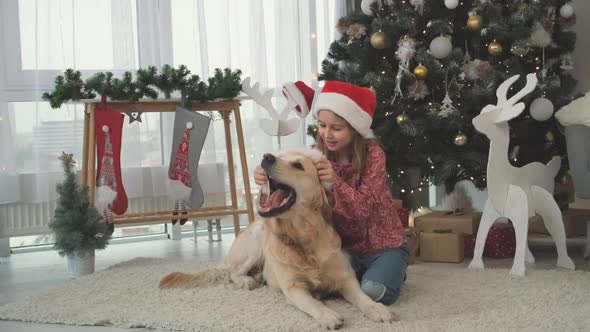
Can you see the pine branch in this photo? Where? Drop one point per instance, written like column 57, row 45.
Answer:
column 147, row 83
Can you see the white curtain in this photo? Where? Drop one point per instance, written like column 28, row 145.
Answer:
column 270, row 40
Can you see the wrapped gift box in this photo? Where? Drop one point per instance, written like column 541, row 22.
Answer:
column 404, row 216
column 501, row 241
column 397, row 203
column 441, row 247
column 469, row 244
column 574, row 222
column 457, row 222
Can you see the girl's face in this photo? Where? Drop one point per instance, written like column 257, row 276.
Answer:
column 335, row 131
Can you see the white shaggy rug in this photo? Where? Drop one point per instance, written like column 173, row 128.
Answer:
column 441, row 297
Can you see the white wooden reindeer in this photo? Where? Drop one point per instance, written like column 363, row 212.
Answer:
column 517, row 193
column 278, row 124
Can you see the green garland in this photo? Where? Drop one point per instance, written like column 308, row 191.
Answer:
column 224, row 84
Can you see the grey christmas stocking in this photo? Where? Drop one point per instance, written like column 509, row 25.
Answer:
column 190, row 131
column 578, row 152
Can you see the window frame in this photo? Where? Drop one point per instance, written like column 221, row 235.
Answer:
column 29, row 85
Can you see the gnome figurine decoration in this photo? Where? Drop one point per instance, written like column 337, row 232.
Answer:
column 299, row 97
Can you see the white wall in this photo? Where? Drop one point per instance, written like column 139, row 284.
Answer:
column 582, row 28
column 581, row 63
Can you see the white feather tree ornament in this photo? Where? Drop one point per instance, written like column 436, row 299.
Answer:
column 418, row 5
column 476, row 69
column 540, row 37
column 418, row 90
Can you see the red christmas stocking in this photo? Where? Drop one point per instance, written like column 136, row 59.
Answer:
column 110, row 193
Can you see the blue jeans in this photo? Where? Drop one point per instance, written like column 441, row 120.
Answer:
column 381, row 275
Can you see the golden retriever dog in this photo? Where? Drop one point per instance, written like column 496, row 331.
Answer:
column 293, row 247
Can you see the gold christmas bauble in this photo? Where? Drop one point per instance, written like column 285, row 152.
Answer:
column 474, row 22
column 379, row 40
column 522, row 6
column 420, row 72
column 401, row 118
column 495, row 48
column 460, row 139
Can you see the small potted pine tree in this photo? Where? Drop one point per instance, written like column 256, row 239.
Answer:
column 78, row 227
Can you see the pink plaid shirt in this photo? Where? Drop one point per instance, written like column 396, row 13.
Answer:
column 363, row 212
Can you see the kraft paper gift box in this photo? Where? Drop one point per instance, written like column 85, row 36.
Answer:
column 397, row 203
column 574, row 222
column 441, row 246
column 457, row 222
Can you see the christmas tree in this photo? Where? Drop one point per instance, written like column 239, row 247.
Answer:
column 435, row 64
column 77, row 225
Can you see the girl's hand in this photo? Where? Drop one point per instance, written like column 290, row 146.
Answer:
column 260, row 176
column 325, row 170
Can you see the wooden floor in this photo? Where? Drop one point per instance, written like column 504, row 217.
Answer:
column 26, row 273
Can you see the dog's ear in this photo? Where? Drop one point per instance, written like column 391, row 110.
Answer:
column 322, row 202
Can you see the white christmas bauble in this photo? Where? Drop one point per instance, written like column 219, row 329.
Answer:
column 105, row 128
column 451, row 4
column 366, row 7
column 566, row 10
column 441, row 47
column 541, row 109
column 189, row 125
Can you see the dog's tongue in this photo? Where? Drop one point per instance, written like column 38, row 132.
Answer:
column 277, row 197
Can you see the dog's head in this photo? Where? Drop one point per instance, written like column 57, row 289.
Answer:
column 292, row 182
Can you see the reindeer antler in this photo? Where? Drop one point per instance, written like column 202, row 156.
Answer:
column 510, row 107
column 263, row 99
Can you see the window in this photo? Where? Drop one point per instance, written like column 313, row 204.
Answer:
column 272, row 41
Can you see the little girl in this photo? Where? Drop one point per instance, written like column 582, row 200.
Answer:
column 363, row 211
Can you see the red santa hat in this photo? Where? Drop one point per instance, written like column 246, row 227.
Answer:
column 353, row 103
column 301, row 94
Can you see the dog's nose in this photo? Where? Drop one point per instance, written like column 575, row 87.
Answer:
column 268, row 160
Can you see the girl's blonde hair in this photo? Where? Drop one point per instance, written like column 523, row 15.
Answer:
column 359, row 145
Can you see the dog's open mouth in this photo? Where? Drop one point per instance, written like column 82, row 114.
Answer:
column 275, row 198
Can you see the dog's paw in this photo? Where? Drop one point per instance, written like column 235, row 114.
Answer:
column 248, row 283
column 330, row 319
column 377, row 312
